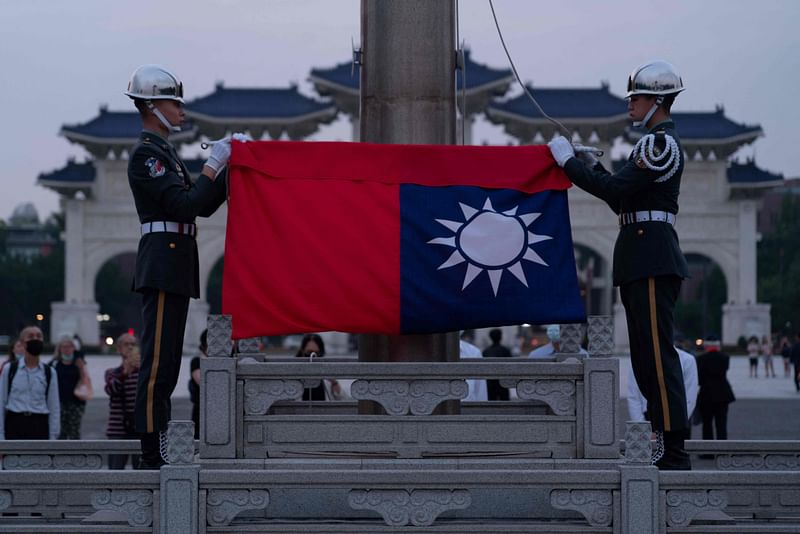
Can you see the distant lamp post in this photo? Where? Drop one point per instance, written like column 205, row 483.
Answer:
column 40, row 317
column 109, row 341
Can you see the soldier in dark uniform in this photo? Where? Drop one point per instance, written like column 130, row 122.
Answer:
column 167, row 202
column 648, row 263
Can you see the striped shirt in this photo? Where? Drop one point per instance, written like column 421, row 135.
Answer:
column 119, row 388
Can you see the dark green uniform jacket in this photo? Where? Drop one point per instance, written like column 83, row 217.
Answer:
column 163, row 191
column 643, row 249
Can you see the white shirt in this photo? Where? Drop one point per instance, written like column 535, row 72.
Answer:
column 637, row 404
column 545, row 351
column 477, row 387
column 27, row 394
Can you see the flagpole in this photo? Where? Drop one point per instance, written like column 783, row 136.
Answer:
column 408, row 96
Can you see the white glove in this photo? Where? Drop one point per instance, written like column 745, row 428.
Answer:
column 586, row 155
column 220, row 153
column 241, row 137
column 561, row 150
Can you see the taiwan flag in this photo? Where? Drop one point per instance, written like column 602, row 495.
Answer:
column 396, row 239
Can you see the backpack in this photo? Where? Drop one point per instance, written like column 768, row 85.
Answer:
column 12, row 370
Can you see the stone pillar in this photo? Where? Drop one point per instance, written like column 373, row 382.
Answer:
column 408, row 96
column 77, row 314
column 600, row 407
column 178, row 503
column 639, row 495
column 218, row 392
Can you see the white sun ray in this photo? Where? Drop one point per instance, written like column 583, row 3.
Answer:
column 494, row 277
column 468, row 211
column 536, row 238
column 528, row 218
column 511, row 212
column 487, row 206
column 530, row 255
column 450, row 225
column 517, row 271
column 449, row 241
column 472, row 272
column 454, row 259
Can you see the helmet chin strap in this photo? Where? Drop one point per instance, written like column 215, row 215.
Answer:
column 646, row 119
column 162, row 118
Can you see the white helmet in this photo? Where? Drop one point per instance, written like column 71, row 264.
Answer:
column 655, row 78
column 152, row 82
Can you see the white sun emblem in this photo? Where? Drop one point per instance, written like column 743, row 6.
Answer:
column 491, row 241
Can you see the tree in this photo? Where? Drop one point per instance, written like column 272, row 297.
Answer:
column 779, row 268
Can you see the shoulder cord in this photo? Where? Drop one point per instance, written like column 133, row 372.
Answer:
column 645, row 153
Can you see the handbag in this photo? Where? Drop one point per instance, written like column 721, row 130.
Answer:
column 84, row 390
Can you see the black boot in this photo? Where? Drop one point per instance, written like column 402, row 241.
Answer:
column 675, row 458
column 151, row 452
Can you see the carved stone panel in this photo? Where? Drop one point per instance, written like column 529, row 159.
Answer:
column 224, row 505
column 419, row 397
column 684, row 505
column 638, row 447
column 219, row 335
column 758, row 462
column 248, row 346
column 21, row 462
column 571, row 337
column 559, row 395
column 5, row 499
column 594, row 505
column 260, row 394
column 600, row 331
column 401, row 507
column 137, row 505
column 180, row 442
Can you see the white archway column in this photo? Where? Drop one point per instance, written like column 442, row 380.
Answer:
column 743, row 315
column 77, row 314
column 196, row 322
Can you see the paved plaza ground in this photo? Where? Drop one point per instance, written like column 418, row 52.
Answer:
column 767, row 408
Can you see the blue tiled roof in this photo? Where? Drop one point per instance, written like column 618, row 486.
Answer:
column 255, row 103
column 478, row 74
column 74, row 173
column 749, row 173
column 109, row 124
column 565, row 103
column 711, row 125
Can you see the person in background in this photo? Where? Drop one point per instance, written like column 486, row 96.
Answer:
column 29, row 406
column 795, row 358
column 494, row 390
column 785, row 350
column 312, row 347
column 477, row 387
column 715, row 390
column 16, row 351
column 753, row 350
column 71, row 372
column 554, row 346
column 637, row 404
column 766, row 352
column 120, row 385
column 194, row 382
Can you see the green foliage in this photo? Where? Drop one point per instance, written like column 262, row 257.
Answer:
column 27, row 287
column 779, row 268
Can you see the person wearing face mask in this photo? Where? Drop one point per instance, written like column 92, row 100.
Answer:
column 554, row 347
column 29, row 402
column 71, row 371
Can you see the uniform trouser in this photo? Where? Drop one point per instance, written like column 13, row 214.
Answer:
column 163, row 324
column 649, row 306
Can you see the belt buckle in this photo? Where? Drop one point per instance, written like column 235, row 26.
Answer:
column 27, row 414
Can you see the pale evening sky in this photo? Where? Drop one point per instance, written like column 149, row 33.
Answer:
column 62, row 60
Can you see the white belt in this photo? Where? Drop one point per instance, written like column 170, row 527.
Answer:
column 648, row 215
column 169, row 226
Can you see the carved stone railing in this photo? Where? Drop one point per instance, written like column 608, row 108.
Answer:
column 580, row 421
column 750, row 455
column 62, row 454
